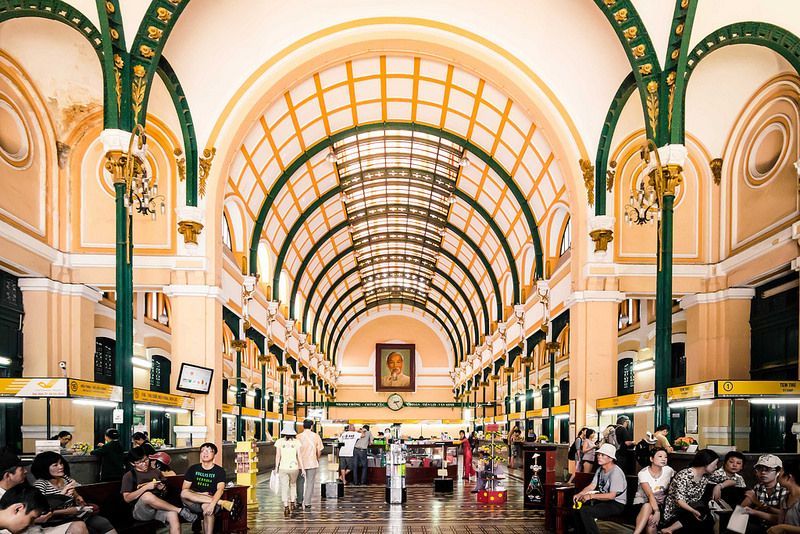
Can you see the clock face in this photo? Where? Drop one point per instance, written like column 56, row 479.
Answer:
column 394, row 402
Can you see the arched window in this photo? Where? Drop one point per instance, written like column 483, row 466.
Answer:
column 625, row 376
column 226, row 233
column 283, row 285
column 156, row 307
column 263, row 261
column 566, row 239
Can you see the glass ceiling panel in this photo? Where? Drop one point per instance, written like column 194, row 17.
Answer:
column 397, row 188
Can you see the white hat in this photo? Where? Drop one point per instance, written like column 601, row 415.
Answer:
column 288, row 429
column 609, row 450
column 769, row 460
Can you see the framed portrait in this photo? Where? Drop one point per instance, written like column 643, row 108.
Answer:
column 395, row 368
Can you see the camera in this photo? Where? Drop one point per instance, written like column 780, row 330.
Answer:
column 63, row 365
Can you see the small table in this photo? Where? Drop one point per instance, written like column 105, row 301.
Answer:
column 558, row 506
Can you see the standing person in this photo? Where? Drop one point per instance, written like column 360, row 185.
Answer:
column 661, row 432
column 20, row 507
column 765, row 501
column 203, row 485
column 588, row 447
column 143, row 487
column 625, row 444
column 52, row 478
column 290, row 465
column 310, row 451
column 683, row 506
column 112, row 457
column 514, row 440
column 348, row 440
column 466, row 451
column 605, row 496
column 652, row 491
column 574, row 453
column 140, row 440
column 360, row 453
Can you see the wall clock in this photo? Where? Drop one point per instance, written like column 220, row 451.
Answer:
column 395, row 402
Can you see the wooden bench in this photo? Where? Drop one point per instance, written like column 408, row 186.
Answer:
column 113, row 507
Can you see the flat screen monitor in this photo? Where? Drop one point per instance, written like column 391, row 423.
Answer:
column 195, row 379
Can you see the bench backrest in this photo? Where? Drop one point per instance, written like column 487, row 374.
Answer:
column 107, row 496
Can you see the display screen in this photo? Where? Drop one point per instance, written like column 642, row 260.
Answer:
column 195, row 379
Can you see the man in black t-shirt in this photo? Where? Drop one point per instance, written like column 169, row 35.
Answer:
column 625, row 456
column 203, row 485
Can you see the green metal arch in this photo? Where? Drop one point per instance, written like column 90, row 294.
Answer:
column 66, row 14
column 438, row 289
column 116, row 60
column 170, row 79
column 375, row 305
column 348, row 250
column 328, row 142
column 606, row 137
column 333, row 231
column 674, row 68
column 622, row 15
column 337, row 189
column 774, row 37
column 154, row 29
column 347, row 274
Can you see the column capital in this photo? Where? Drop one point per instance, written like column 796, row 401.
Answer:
column 196, row 290
column 51, row 286
column 733, row 293
column 594, row 296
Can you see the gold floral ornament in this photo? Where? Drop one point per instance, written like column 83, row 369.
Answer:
column 119, row 63
column 621, row 15
column 631, row 33
column 153, row 33
column 652, row 104
column 646, row 69
column 716, row 170
column 611, row 173
column 205, row 168
column 163, row 14
column 638, row 51
column 146, row 51
column 587, row 169
column 114, row 33
column 671, row 97
column 180, row 161
column 139, row 86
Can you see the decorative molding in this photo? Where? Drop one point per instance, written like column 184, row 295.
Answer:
column 716, row 170
column 59, row 288
column 587, row 170
column 594, row 296
column 190, row 230
column 733, row 293
column 203, row 291
column 40, row 431
column 205, row 168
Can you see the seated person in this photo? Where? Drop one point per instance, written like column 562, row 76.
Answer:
column 652, row 491
column 64, row 438
column 144, row 487
column 161, row 461
column 203, row 485
column 728, row 476
column 605, row 496
column 20, row 507
column 53, row 481
column 684, row 506
column 140, row 440
column 765, row 501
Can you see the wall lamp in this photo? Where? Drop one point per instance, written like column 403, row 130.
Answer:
column 690, row 403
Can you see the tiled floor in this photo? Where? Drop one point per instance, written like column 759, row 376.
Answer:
column 363, row 510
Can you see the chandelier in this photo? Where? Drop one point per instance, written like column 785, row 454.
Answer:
column 141, row 193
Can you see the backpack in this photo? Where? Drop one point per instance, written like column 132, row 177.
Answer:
column 572, row 453
column 611, row 437
column 642, row 453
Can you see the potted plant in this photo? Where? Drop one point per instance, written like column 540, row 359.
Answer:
column 157, row 443
column 682, row 443
column 81, row 448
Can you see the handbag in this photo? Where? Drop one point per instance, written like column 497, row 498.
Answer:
column 274, row 483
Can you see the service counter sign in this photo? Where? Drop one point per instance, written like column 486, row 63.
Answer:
column 145, row 396
column 757, row 388
column 703, row 390
column 33, row 387
column 645, row 398
column 94, row 390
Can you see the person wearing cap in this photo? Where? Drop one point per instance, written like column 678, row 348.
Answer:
column 290, row 465
column 13, row 475
column 728, row 476
column 161, row 460
column 765, row 501
column 605, row 496
column 203, row 485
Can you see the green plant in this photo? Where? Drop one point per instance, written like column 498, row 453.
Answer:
column 81, row 447
column 157, row 442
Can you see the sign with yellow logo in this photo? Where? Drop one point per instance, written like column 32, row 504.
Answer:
column 33, row 387
column 645, row 398
column 703, row 390
column 561, row 410
column 755, row 388
column 94, row 390
column 145, row 396
column 251, row 412
column 230, row 409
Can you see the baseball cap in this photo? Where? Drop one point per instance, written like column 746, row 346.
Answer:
column 769, row 460
column 9, row 460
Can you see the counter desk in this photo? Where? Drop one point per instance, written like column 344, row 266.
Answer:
column 423, row 460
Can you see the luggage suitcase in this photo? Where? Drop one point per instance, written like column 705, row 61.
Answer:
column 332, row 490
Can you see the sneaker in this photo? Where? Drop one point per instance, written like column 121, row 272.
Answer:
column 187, row 515
column 307, row 507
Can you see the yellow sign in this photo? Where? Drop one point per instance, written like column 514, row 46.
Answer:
column 537, row 413
column 252, row 412
column 272, row 415
column 561, row 410
column 94, row 390
column 145, row 396
column 33, row 387
column 645, row 398
column 703, row 390
column 230, row 409
column 749, row 388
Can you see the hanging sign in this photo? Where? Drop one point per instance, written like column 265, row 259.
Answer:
column 230, row 409
column 33, row 387
column 703, row 390
column 145, row 396
column 561, row 410
column 756, row 388
column 94, row 390
column 645, row 398
column 250, row 412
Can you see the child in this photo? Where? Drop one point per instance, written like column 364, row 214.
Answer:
column 479, row 463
